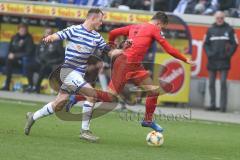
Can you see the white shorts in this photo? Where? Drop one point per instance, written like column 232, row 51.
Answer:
column 72, row 80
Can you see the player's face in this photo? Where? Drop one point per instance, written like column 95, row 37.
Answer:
column 97, row 21
column 161, row 25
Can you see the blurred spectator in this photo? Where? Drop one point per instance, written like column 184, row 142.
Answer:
column 101, row 3
column 146, row 5
column 133, row 4
column 185, row 6
column 79, row 2
column 97, row 3
column 161, row 5
column 67, row 1
column 204, row 7
column 200, row 7
column 172, row 4
column 47, row 56
column 20, row 51
column 220, row 44
column 115, row 3
column 226, row 4
column 230, row 7
column 237, row 10
column 211, row 7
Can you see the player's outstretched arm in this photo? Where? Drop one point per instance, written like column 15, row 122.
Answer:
column 60, row 35
column 122, row 31
column 169, row 49
column 51, row 38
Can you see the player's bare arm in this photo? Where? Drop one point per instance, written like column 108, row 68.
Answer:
column 51, row 38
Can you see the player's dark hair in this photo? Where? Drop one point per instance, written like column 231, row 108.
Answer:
column 94, row 11
column 161, row 16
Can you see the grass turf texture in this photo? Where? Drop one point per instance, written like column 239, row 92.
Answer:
column 53, row 139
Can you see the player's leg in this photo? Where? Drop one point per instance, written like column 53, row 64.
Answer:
column 115, row 86
column 71, row 81
column 73, row 99
column 151, row 103
column 87, row 111
column 46, row 110
column 97, row 94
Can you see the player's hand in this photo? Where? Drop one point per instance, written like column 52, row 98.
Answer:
column 112, row 45
column 189, row 61
column 48, row 39
column 127, row 43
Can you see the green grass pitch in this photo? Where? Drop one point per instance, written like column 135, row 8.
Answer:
column 53, row 139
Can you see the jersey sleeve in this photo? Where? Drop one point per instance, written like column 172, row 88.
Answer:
column 122, row 31
column 66, row 33
column 102, row 44
column 167, row 47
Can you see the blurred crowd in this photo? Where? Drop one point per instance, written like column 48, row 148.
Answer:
column 203, row 7
column 23, row 54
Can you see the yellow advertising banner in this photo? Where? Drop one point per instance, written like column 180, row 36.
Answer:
column 13, row 8
column 69, row 12
column 8, row 30
column 142, row 18
column 117, row 17
column 39, row 9
column 174, row 77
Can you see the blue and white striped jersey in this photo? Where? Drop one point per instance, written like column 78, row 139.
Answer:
column 81, row 44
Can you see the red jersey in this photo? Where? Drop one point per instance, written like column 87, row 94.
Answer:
column 142, row 36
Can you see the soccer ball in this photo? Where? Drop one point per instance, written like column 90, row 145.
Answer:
column 154, row 138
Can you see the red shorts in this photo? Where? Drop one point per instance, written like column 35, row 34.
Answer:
column 123, row 72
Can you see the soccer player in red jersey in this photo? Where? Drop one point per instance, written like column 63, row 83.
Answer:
column 128, row 66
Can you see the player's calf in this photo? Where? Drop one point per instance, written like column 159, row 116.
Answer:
column 46, row 110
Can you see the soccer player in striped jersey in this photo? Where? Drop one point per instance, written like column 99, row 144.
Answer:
column 83, row 41
column 128, row 66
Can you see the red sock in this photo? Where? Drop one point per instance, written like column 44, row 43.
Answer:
column 80, row 98
column 151, row 103
column 104, row 96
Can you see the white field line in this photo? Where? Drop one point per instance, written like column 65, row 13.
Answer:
column 18, row 102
